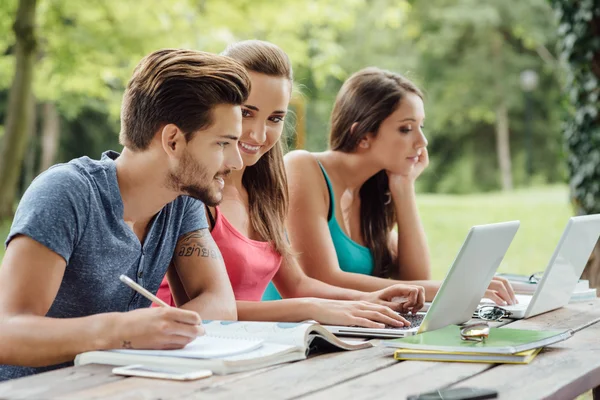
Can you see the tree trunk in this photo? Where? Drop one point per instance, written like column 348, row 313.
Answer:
column 503, row 146
column 50, row 135
column 502, row 132
column 28, row 171
column 17, row 124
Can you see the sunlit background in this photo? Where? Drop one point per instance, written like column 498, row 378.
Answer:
column 490, row 70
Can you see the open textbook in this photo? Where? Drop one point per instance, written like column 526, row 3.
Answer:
column 233, row 346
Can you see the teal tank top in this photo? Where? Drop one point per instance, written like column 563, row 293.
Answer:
column 352, row 257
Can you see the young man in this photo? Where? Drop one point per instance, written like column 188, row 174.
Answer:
column 82, row 224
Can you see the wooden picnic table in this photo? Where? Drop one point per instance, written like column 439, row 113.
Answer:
column 562, row 371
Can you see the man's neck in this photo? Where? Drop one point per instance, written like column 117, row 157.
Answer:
column 140, row 177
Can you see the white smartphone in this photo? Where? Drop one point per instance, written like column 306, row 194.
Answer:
column 146, row 371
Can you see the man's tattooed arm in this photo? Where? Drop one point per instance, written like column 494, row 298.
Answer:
column 200, row 268
column 198, row 244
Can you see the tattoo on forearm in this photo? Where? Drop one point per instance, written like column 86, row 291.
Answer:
column 199, row 244
column 127, row 344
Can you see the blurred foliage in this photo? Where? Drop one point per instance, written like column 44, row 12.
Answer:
column 579, row 32
column 88, row 50
column 447, row 47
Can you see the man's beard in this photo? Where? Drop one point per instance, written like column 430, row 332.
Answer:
column 188, row 172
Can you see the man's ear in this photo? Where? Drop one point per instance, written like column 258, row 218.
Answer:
column 172, row 140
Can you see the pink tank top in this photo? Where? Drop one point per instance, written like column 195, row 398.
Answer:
column 250, row 264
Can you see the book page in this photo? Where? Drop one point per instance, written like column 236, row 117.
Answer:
column 290, row 333
column 344, row 344
column 266, row 350
column 204, row 347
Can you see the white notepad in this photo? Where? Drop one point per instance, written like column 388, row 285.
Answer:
column 223, row 350
column 204, row 347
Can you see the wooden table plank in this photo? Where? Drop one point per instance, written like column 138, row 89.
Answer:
column 400, row 380
column 292, row 380
column 118, row 387
column 409, row 377
column 556, row 374
column 146, row 389
column 304, row 377
column 563, row 371
column 370, row 373
column 54, row 383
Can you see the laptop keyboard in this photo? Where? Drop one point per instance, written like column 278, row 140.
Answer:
column 414, row 319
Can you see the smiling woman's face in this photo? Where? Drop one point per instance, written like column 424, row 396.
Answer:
column 263, row 115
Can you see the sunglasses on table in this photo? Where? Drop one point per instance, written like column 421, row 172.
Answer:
column 491, row 313
column 479, row 331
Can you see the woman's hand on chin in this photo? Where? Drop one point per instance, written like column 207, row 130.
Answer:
column 399, row 181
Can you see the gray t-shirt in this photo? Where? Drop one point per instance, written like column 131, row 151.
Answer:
column 76, row 210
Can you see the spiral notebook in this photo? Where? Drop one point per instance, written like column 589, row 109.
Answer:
column 233, row 346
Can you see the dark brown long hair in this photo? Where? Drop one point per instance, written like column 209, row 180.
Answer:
column 368, row 97
column 266, row 181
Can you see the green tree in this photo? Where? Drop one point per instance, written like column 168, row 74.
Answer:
column 580, row 51
column 87, row 51
column 82, row 54
column 19, row 117
column 473, row 52
column 447, row 48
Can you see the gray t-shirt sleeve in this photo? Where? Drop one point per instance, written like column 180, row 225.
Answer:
column 194, row 216
column 54, row 210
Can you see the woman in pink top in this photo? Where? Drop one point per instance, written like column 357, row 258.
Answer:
column 248, row 226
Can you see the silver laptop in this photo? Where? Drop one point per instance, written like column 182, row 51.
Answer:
column 462, row 289
column 564, row 269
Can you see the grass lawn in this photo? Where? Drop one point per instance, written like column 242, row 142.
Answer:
column 543, row 212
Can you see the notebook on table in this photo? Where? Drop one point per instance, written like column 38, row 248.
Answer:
column 500, row 341
column 462, row 289
column 524, row 357
column 233, row 346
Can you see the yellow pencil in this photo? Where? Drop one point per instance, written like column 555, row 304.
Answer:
column 127, row 280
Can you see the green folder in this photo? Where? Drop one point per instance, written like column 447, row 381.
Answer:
column 500, row 341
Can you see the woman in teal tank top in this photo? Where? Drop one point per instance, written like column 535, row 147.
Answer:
column 353, row 216
column 352, row 257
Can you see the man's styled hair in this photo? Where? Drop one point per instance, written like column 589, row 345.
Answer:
column 180, row 87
